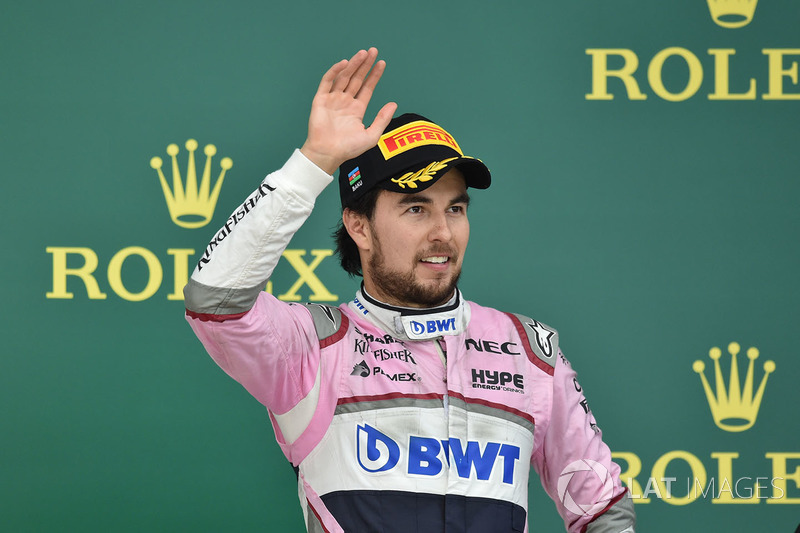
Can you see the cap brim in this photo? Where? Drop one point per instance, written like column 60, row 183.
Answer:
column 475, row 173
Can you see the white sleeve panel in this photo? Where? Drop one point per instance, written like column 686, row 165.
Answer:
column 244, row 252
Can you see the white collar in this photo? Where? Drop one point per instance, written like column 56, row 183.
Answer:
column 409, row 323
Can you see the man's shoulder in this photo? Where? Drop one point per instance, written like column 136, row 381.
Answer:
column 484, row 313
column 542, row 340
column 329, row 322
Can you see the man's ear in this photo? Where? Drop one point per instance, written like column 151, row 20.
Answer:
column 358, row 227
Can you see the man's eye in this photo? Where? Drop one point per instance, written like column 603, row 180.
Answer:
column 457, row 209
column 415, row 209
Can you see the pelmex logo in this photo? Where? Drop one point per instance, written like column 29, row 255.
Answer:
column 615, row 72
column 191, row 204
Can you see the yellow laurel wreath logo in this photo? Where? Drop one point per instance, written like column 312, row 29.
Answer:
column 410, row 179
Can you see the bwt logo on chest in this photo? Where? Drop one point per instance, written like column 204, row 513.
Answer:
column 433, row 326
column 426, row 456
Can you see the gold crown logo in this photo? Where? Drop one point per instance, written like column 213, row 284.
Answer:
column 735, row 409
column 191, row 206
column 732, row 13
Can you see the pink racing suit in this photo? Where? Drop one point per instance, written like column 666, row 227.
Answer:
column 399, row 420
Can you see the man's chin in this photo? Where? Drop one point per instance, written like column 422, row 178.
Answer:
column 437, row 291
column 419, row 288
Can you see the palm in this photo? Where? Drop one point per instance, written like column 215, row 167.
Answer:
column 336, row 130
column 337, row 119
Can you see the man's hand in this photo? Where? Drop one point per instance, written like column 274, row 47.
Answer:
column 336, row 130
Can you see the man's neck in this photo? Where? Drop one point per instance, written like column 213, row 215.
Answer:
column 411, row 323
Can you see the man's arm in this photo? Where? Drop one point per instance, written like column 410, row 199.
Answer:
column 242, row 255
column 575, row 464
column 266, row 345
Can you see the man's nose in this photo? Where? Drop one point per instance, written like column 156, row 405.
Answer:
column 440, row 229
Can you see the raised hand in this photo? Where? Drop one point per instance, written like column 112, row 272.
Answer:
column 336, row 130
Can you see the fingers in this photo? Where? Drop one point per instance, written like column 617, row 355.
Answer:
column 338, row 77
column 365, row 92
column 361, row 72
column 346, row 75
column 328, row 78
column 350, row 78
column 382, row 120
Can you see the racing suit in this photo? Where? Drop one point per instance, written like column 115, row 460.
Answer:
column 399, row 420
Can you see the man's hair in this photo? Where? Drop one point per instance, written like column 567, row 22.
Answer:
column 346, row 248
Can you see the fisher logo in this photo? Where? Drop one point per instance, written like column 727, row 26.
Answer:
column 585, row 475
column 191, row 205
column 495, row 380
column 384, row 354
column 426, row 456
column 433, row 326
column 543, row 336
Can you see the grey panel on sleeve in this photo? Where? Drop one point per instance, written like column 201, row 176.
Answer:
column 201, row 298
column 327, row 319
column 313, row 524
column 542, row 339
column 620, row 518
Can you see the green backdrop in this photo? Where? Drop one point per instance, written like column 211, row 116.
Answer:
column 647, row 230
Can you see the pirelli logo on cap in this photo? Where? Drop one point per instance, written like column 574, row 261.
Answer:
column 413, row 135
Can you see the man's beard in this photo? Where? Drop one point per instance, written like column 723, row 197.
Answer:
column 404, row 287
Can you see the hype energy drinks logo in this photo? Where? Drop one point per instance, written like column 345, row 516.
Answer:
column 426, row 456
column 78, row 270
column 733, row 407
column 715, row 73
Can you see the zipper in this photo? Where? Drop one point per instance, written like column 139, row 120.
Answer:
column 441, row 349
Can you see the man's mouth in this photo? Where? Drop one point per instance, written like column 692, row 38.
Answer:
column 436, row 259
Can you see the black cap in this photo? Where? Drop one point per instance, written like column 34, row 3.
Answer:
column 411, row 155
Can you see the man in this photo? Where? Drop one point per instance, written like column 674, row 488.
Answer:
column 409, row 408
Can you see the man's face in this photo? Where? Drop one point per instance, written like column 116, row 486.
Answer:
column 417, row 243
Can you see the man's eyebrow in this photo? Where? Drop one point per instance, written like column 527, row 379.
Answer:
column 414, row 199
column 462, row 198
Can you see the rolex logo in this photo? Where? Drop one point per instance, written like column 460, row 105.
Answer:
column 734, row 409
column 191, row 205
column 732, row 13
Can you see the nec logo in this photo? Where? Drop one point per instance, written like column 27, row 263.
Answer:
column 481, row 345
column 433, row 326
column 376, row 452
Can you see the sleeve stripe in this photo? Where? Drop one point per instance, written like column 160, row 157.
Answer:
column 208, row 317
